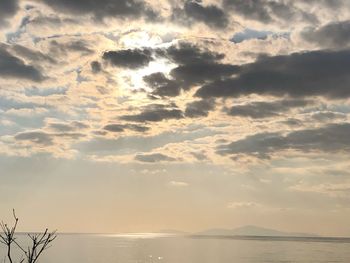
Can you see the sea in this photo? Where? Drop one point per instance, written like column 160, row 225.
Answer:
column 170, row 248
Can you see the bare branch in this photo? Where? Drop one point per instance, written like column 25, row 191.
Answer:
column 39, row 242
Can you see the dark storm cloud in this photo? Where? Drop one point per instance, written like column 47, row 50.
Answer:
column 251, row 9
column 14, row 67
column 267, row 11
column 193, row 11
column 199, row 108
column 129, row 58
column 316, row 73
column 123, row 127
column 333, row 35
column 8, row 8
column 153, row 158
column 101, row 9
column 37, row 137
column 155, row 113
column 187, row 53
column 186, row 76
column 95, row 66
column 162, row 86
column 262, row 109
column 328, row 139
column 196, row 66
column 327, row 3
column 33, row 55
column 197, row 73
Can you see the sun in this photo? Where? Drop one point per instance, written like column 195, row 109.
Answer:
column 160, row 65
column 132, row 79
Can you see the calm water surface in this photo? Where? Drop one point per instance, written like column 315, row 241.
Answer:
column 170, row 249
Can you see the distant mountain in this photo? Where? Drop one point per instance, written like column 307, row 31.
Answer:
column 252, row 231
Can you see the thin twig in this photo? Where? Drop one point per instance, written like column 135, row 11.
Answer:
column 40, row 242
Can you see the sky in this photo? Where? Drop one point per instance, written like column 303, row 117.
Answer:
column 137, row 116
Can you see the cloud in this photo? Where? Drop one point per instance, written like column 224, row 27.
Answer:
column 162, row 86
column 53, row 20
column 8, row 8
column 14, row 67
column 134, row 144
column 326, row 116
column 193, row 11
column 129, row 58
column 198, row 73
column 329, row 139
column 43, row 138
column 262, row 109
column 95, row 66
column 123, row 127
column 268, row 11
column 45, row 92
column 153, row 158
column 33, row 55
column 100, row 9
column 255, row 10
column 114, row 127
column 16, row 103
column 200, row 156
column 37, row 137
column 332, row 35
column 155, row 113
column 315, row 73
column 196, row 66
column 71, row 135
column 185, row 77
column 67, row 127
column 332, row 189
column 80, row 46
column 199, row 108
column 187, row 53
column 292, row 122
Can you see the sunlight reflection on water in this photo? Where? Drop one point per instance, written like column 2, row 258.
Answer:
column 138, row 235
